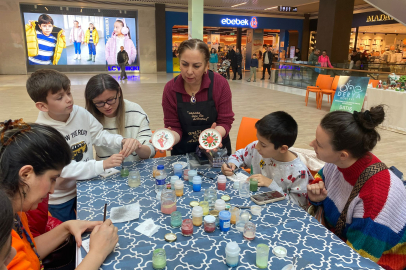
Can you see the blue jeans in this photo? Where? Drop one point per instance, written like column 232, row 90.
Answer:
column 64, row 211
column 77, row 47
column 92, row 49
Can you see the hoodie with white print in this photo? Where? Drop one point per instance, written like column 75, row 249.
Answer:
column 81, row 131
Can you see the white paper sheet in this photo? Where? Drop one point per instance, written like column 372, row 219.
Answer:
column 125, row 213
column 147, row 228
column 86, row 245
column 109, row 172
column 238, row 177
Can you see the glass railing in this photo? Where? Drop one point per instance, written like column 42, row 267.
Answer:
column 301, row 74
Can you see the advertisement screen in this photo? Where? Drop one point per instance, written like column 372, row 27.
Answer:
column 58, row 39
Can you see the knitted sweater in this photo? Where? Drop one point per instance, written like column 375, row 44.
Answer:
column 289, row 178
column 376, row 218
column 136, row 127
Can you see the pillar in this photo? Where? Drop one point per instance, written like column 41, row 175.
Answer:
column 306, row 38
column 160, row 37
column 283, row 42
column 334, row 28
column 356, row 38
column 195, row 19
column 239, row 34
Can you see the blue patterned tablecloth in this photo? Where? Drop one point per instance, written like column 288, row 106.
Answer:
column 280, row 224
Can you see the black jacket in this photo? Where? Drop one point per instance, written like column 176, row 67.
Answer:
column 269, row 55
column 238, row 58
column 232, row 58
column 122, row 57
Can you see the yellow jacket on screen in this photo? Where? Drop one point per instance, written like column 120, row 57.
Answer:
column 32, row 41
column 95, row 36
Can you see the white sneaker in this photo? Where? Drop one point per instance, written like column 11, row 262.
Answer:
column 76, row 56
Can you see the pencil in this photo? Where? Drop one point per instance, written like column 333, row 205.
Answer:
column 105, row 212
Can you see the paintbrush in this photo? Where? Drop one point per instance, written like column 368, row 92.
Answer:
column 228, row 166
column 105, row 212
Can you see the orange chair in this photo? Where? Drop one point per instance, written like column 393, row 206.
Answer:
column 158, row 153
column 323, row 82
column 247, row 133
column 329, row 92
column 374, row 83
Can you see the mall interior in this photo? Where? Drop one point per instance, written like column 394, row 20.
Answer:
column 337, row 67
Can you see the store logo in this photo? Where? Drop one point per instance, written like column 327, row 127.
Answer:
column 227, row 21
column 128, row 68
column 377, row 18
column 254, row 22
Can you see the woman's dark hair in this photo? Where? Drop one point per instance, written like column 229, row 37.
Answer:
column 279, row 128
column 42, row 147
column 94, row 88
column 44, row 19
column 129, row 35
column 324, row 51
column 6, row 220
column 211, row 51
column 195, row 44
column 354, row 132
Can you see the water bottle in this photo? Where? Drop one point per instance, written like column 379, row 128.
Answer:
column 160, row 179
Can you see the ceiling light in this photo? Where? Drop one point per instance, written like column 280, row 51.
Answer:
column 125, row 11
column 239, row 4
column 47, row 10
column 271, row 8
column 98, row 10
column 120, row 11
column 80, row 10
column 61, row 8
column 67, row 8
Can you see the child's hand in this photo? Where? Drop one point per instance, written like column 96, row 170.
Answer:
column 227, row 171
column 129, row 146
column 262, row 180
column 317, row 192
column 113, row 161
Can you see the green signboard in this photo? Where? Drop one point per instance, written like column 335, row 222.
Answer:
column 350, row 94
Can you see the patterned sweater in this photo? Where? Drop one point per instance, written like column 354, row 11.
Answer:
column 289, row 178
column 376, row 218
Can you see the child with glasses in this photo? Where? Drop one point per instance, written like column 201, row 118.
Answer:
column 50, row 90
column 105, row 101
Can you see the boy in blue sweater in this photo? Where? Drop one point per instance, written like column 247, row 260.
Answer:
column 253, row 67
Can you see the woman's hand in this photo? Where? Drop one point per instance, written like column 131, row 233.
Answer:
column 103, row 238
column 129, row 146
column 226, row 170
column 113, row 161
column 262, row 180
column 317, row 192
column 78, row 227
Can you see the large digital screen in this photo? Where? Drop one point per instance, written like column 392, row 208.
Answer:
column 59, row 39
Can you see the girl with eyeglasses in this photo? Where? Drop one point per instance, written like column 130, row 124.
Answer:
column 105, row 101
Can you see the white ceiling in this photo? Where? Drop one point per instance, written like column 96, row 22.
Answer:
column 396, row 28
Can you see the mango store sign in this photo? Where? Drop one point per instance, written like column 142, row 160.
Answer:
column 253, row 23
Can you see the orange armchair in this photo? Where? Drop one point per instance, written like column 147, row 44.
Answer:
column 374, row 83
column 329, row 92
column 323, row 82
column 247, row 133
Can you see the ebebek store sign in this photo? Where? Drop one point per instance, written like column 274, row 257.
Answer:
column 243, row 22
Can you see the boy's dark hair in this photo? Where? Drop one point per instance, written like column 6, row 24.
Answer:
column 255, row 54
column 354, row 132
column 42, row 147
column 46, row 80
column 279, row 128
column 45, row 19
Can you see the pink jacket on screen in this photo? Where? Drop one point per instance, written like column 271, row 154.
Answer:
column 325, row 61
column 111, row 52
column 81, row 35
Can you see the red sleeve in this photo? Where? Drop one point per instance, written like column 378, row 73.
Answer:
column 170, row 109
column 223, row 101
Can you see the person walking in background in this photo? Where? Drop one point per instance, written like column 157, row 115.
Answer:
column 77, row 38
column 214, row 59
column 92, row 38
column 314, row 57
column 122, row 60
column 231, row 57
column 238, row 60
column 267, row 63
column 253, row 67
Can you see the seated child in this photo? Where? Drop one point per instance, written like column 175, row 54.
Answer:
column 50, row 90
column 270, row 159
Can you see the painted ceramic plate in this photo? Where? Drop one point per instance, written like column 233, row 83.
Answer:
column 163, row 139
column 210, row 139
column 184, row 164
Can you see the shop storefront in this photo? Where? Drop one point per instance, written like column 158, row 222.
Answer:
column 220, row 31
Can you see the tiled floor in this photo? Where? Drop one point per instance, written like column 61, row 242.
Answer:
column 249, row 99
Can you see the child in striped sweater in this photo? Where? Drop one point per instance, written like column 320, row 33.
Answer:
column 375, row 223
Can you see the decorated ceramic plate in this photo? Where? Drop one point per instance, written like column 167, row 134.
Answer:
column 163, row 139
column 210, row 139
